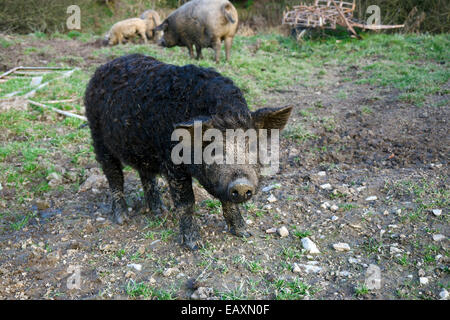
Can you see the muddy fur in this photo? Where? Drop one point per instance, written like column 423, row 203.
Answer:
column 152, row 20
column 203, row 23
column 133, row 104
column 126, row 29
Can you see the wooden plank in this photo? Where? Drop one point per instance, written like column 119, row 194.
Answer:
column 377, row 26
column 9, row 72
column 65, row 113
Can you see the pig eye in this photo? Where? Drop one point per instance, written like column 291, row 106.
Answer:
column 234, row 194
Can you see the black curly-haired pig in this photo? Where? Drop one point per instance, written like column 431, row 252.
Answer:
column 133, row 105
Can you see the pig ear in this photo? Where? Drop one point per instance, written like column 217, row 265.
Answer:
column 272, row 118
column 163, row 26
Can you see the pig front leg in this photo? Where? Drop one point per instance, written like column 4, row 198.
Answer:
column 183, row 198
column 235, row 222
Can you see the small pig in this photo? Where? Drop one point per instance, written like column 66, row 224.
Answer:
column 203, row 23
column 133, row 105
column 126, row 29
column 152, row 19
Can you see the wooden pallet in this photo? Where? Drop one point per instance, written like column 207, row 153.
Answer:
column 328, row 14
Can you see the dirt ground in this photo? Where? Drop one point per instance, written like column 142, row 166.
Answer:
column 363, row 145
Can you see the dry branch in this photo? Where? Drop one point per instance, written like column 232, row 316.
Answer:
column 66, row 113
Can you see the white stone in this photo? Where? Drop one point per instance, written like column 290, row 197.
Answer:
column 394, row 250
column 437, row 212
column 273, row 186
column 443, row 294
column 334, row 208
column 272, row 198
column 423, row 280
column 135, row 266
column 309, row 245
column 325, row 205
column 321, row 173
column 371, row 198
column 353, row 260
column 344, row 273
column 308, row 268
column 100, row 219
column 325, row 186
column 283, row 232
column 438, row 237
column 271, row 230
column 168, row 272
column 334, row 218
column 341, row 246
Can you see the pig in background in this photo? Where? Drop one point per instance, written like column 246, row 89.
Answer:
column 203, row 24
column 152, row 20
column 133, row 105
column 125, row 29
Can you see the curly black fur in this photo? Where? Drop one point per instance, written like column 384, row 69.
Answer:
column 132, row 105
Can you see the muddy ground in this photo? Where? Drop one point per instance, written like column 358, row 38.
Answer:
column 365, row 144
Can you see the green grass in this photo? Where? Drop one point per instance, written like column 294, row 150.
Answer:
column 361, row 290
column 292, row 290
column 145, row 291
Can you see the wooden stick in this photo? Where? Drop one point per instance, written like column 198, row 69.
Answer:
column 345, row 20
column 45, row 68
column 66, row 113
column 377, row 26
column 61, row 101
column 9, row 71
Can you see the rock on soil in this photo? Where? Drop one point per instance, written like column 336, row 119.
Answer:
column 283, row 232
column 309, row 245
column 203, row 293
column 341, row 246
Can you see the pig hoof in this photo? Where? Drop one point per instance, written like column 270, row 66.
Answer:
column 120, row 217
column 191, row 242
column 241, row 233
column 192, row 246
column 160, row 211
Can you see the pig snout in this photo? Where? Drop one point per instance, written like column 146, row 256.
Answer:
column 161, row 42
column 240, row 190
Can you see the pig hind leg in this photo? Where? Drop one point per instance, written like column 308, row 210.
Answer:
column 152, row 194
column 112, row 168
column 217, row 45
column 228, row 43
column 190, row 47
column 198, row 48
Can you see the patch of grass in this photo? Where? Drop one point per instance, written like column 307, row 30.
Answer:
column 298, row 133
column 142, row 290
column 254, row 266
column 291, row 253
column 214, row 205
column 348, row 206
column 302, row 234
column 372, row 246
column 236, row 293
column 292, row 290
column 120, row 253
column 21, row 222
column 361, row 290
